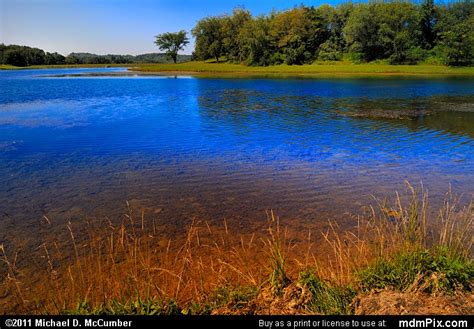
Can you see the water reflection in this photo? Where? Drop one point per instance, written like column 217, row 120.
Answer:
column 209, row 148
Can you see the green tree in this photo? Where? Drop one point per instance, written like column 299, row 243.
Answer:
column 458, row 44
column 15, row 57
column 72, row 59
column 455, row 35
column 361, row 33
column 291, row 32
column 396, row 31
column 172, row 43
column 22, row 55
column 330, row 50
column 428, row 18
column 54, row 58
column 254, row 42
column 231, row 27
column 323, row 24
column 209, row 38
column 383, row 30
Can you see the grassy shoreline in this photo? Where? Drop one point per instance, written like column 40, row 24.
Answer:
column 395, row 254
column 331, row 69
column 64, row 66
column 335, row 69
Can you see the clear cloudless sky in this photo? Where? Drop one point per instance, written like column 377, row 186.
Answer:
column 115, row 26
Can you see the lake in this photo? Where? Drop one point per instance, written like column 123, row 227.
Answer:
column 77, row 146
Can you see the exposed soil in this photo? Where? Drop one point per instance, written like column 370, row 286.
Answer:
column 292, row 301
column 386, row 302
column 392, row 302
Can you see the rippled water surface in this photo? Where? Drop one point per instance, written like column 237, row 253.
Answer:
column 310, row 149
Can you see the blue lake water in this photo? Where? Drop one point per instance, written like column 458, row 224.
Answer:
column 76, row 147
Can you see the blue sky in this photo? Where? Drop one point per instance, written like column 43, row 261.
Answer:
column 113, row 26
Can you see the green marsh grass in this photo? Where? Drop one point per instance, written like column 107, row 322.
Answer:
column 61, row 66
column 278, row 277
column 419, row 253
column 334, row 69
column 328, row 69
column 326, row 298
column 432, row 270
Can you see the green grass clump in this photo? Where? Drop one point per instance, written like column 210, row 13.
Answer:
column 232, row 298
column 137, row 307
column 278, row 278
column 427, row 270
column 235, row 297
column 327, row 298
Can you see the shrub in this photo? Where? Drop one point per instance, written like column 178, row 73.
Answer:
column 427, row 270
column 149, row 306
column 329, row 51
column 327, row 298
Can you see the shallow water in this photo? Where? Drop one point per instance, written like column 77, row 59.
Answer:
column 182, row 147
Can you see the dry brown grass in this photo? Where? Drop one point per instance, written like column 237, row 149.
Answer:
column 135, row 260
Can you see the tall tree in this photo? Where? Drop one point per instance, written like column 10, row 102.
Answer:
column 290, row 32
column 428, row 19
column 209, row 38
column 172, row 43
column 361, row 32
column 231, row 27
column 254, row 41
column 395, row 31
column 383, row 30
column 458, row 44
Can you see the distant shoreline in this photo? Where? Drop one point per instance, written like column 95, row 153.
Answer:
column 331, row 69
column 334, row 69
column 62, row 66
column 319, row 69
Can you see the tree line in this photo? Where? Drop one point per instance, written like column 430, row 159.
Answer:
column 397, row 32
column 26, row 56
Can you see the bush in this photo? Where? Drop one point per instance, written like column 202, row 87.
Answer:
column 231, row 298
column 235, row 298
column 431, row 271
column 150, row 306
column 326, row 298
column 416, row 55
column 295, row 55
column 356, row 58
column 277, row 59
column 329, row 51
column 434, row 56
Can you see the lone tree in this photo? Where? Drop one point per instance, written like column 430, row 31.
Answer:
column 172, row 43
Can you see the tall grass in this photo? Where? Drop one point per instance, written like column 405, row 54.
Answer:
column 416, row 252
column 133, row 267
column 276, row 253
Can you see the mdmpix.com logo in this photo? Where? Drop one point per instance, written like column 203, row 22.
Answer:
column 432, row 323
